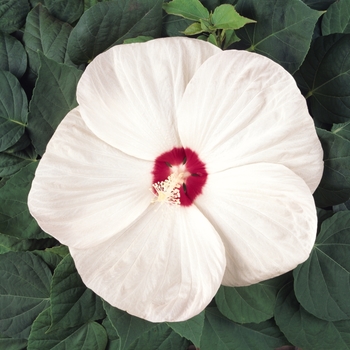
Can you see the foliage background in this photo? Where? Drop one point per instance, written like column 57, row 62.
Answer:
column 44, row 48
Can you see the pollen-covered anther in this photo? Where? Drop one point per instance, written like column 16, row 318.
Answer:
column 168, row 190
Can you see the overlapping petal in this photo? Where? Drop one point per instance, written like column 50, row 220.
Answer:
column 166, row 266
column 266, row 217
column 85, row 190
column 129, row 94
column 243, row 108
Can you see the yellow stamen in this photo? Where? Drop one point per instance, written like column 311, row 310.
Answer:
column 168, row 190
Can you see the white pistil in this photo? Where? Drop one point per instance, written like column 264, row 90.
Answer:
column 168, row 190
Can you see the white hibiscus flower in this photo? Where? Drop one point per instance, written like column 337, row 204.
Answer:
column 227, row 142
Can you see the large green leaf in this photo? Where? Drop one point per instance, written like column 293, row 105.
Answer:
column 53, row 98
column 47, row 34
column 283, row 30
column 160, row 337
column 13, row 14
column 109, row 23
column 222, row 333
column 72, row 304
column 9, row 243
column 337, row 18
column 324, row 78
column 13, row 344
column 190, row 329
column 65, row 10
column 88, row 336
column 250, row 304
column 90, row 3
column 319, row 4
column 15, row 219
column 24, row 292
column 12, row 161
column 322, row 283
column 113, row 337
column 13, row 58
column 129, row 328
column 305, row 330
column 335, row 183
column 342, row 129
column 13, row 110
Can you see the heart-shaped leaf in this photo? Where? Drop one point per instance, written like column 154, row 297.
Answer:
column 283, row 30
column 322, row 282
column 24, row 292
column 109, row 23
column 13, row 110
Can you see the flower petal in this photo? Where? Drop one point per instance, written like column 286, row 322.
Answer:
column 84, row 190
column 166, row 266
column 266, row 217
column 243, row 108
column 129, row 93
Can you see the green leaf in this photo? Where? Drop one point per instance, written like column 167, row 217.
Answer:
column 342, row 129
column 13, row 110
column 72, row 304
column 252, row 304
column 226, row 17
column 335, row 183
column 189, row 9
column 49, row 257
column 160, row 337
column 13, row 14
column 22, row 144
column 88, row 336
column 90, row 3
column 13, row 344
column 221, row 333
column 193, row 29
column 47, row 34
column 326, row 75
column 212, row 39
column 57, row 82
column 319, row 4
column 337, row 18
column 128, row 327
column 305, row 330
column 230, row 38
column 322, row 283
column 24, row 292
column 65, row 10
column 113, row 337
column 109, row 23
column 12, row 161
column 283, row 30
column 8, row 243
column 138, row 39
column 190, row 329
column 13, row 58
column 15, row 219
column 175, row 26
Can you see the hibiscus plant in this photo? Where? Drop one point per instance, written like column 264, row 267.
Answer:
column 174, row 174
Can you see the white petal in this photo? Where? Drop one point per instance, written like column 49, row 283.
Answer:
column 84, row 190
column 128, row 94
column 167, row 266
column 243, row 108
column 266, row 217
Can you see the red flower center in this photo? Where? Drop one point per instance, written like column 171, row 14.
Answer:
column 178, row 176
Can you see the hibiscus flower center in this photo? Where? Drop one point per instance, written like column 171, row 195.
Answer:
column 178, row 177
